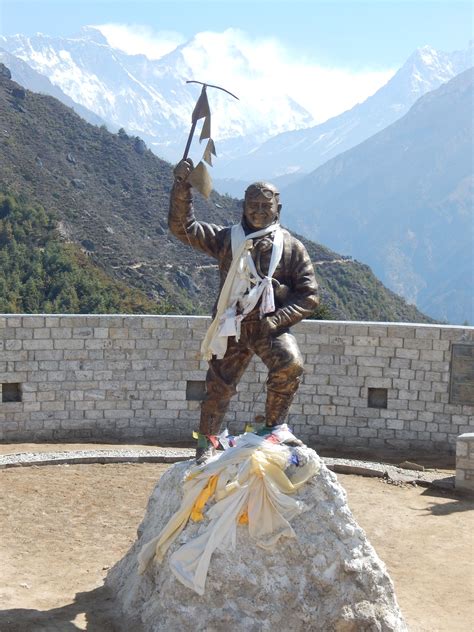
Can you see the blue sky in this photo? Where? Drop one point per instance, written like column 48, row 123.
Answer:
column 376, row 34
column 328, row 55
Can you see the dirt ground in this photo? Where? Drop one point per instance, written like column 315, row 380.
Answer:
column 62, row 527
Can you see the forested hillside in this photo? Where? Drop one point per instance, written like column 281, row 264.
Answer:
column 41, row 273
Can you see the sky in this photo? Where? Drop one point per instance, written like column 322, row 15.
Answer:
column 345, row 49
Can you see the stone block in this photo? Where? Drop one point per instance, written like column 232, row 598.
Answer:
column 419, row 385
column 366, row 341
column 441, row 345
column 385, row 352
column 327, row 431
column 346, row 431
column 426, row 396
column 327, row 410
column 22, row 334
column 61, row 333
column 41, row 334
column 425, row 416
column 31, row 322
column 439, row 436
column 370, row 371
column 340, row 340
column 311, row 409
column 72, row 321
column 407, row 354
column 397, row 404
column 355, row 330
column 416, row 405
column 407, row 415
column 432, row 332
column 68, row 344
column 349, row 391
column 125, row 344
column 345, row 411
column 52, row 406
column 416, row 343
column 38, row 345
column 399, row 363
column 432, row 356
column 373, row 361
column 418, row 365
column 400, row 331
column 359, row 351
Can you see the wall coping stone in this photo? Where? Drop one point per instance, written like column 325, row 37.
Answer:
column 467, row 436
column 368, row 323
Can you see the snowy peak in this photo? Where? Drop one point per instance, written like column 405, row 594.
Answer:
column 151, row 98
column 92, row 34
column 427, row 68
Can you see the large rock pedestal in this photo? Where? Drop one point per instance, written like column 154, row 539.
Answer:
column 327, row 579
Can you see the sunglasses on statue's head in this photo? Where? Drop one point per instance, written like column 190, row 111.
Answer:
column 263, row 189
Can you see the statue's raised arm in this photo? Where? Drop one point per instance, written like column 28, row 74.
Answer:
column 182, row 223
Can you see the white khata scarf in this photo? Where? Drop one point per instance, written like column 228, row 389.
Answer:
column 242, row 289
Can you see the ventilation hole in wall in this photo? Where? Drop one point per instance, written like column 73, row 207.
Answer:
column 195, row 390
column 11, row 393
column 377, row 398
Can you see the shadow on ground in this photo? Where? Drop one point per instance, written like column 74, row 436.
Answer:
column 93, row 611
column 459, row 502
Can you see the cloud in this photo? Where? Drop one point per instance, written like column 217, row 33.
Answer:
column 259, row 70
column 136, row 39
column 263, row 69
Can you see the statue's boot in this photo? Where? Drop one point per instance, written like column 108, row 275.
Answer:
column 209, row 424
column 203, row 454
column 277, row 407
column 276, row 411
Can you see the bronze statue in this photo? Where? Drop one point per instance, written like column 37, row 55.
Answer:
column 267, row 284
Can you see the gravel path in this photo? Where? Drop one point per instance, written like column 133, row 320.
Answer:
column 391, row 473
column 115, row 455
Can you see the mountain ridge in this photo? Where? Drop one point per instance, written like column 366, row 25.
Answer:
column 402, row 200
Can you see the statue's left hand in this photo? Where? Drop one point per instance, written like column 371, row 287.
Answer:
column 183, row 169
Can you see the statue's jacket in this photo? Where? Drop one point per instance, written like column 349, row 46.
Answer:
column 294, row 282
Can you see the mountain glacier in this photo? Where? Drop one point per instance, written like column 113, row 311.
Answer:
column 150, row 98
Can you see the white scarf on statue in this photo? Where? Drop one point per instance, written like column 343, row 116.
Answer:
column 242, row 289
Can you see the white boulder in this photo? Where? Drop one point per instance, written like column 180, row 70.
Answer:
column 327, row 578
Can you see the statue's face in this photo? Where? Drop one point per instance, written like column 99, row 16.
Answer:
column 261, row 207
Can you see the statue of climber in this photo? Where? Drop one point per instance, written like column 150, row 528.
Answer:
column 267, row 284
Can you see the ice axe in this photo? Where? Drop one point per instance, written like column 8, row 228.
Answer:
column 199, row 177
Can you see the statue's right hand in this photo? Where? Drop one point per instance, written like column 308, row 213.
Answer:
column 183, row 169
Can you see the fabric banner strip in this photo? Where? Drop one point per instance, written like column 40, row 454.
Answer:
column 248, row 485
column 243, row 288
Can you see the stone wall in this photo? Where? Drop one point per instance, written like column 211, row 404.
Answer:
column 465, row 462
column 378, row 386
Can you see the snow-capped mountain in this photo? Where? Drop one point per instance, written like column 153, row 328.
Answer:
column 264, row 135
column 301, row 151
column 24, row 74
column 150, row 97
